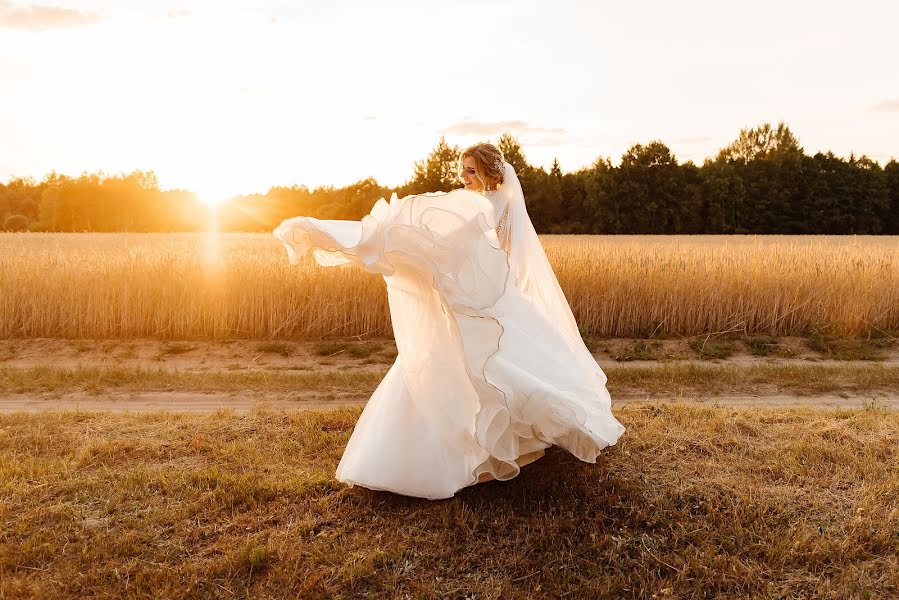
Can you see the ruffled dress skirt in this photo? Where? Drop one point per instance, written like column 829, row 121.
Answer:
column 482, row 383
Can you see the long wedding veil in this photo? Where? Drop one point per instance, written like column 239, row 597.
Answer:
column 528, row 261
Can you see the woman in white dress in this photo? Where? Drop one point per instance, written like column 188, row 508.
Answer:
column 491, row 368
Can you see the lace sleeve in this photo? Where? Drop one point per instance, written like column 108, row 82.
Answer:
column 502, row 229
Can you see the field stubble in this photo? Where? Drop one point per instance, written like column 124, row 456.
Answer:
column 692, row 502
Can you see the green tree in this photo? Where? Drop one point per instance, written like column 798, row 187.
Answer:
column 556, row 169
column 891, row 179
column 762, row 142
column 16, row 223
column 545, row 202
column 437, row 173
column 761, row 183
column 513, row 154
column 723, row 197
column 22, row 196
column 769, row 162
column 870, row 195
column 650, row 184
column 603, row 212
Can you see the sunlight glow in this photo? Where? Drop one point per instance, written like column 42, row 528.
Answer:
column 213, row 200
column 212, row 193
column 313, row 98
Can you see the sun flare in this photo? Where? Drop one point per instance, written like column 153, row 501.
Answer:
column 213, row 200
column 213, row 194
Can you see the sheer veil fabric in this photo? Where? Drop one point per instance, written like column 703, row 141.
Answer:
column 491, row 368
column 530, row 267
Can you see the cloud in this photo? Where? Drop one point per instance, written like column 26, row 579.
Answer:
column 891, row 105
column 37, row 18
column 517, row 128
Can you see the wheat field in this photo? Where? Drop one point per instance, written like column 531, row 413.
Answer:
column 216, row 286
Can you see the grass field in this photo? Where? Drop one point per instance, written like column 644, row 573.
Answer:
column 692, row 502
column 184, row 286
column 713, row 500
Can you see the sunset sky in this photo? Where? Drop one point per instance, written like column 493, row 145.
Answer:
column 224, row 97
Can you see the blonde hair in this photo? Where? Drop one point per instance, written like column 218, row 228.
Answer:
column 485, row 158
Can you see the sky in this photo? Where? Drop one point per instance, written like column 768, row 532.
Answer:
column 224, row 98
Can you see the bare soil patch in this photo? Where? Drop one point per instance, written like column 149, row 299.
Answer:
column 242, row 375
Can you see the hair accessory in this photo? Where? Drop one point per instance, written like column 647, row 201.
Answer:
column 499, row 165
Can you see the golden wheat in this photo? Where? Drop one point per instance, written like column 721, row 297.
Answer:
column 189, row 286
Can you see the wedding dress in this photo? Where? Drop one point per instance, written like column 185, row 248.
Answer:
column 491, row 368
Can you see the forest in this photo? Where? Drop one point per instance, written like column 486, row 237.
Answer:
column 763, row 182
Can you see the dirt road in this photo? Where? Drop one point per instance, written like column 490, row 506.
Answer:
column 214, row 359
column 212, row 402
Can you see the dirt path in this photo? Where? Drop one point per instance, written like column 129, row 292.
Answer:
column 241, row 356
column 232, row 355
column 211, row 402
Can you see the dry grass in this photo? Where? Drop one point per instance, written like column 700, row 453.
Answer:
column 186, row 286
column 692, row 502
column 675, row 379
column 658, row 380
column 100, row 379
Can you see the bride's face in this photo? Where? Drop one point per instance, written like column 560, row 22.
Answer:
column 470, row 175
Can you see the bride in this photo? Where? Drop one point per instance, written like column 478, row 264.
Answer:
column 491, row 368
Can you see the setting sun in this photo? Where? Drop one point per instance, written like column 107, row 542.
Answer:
column 212, row 200
column 212, row 193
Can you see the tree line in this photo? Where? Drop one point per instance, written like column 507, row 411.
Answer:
column 763, row 182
